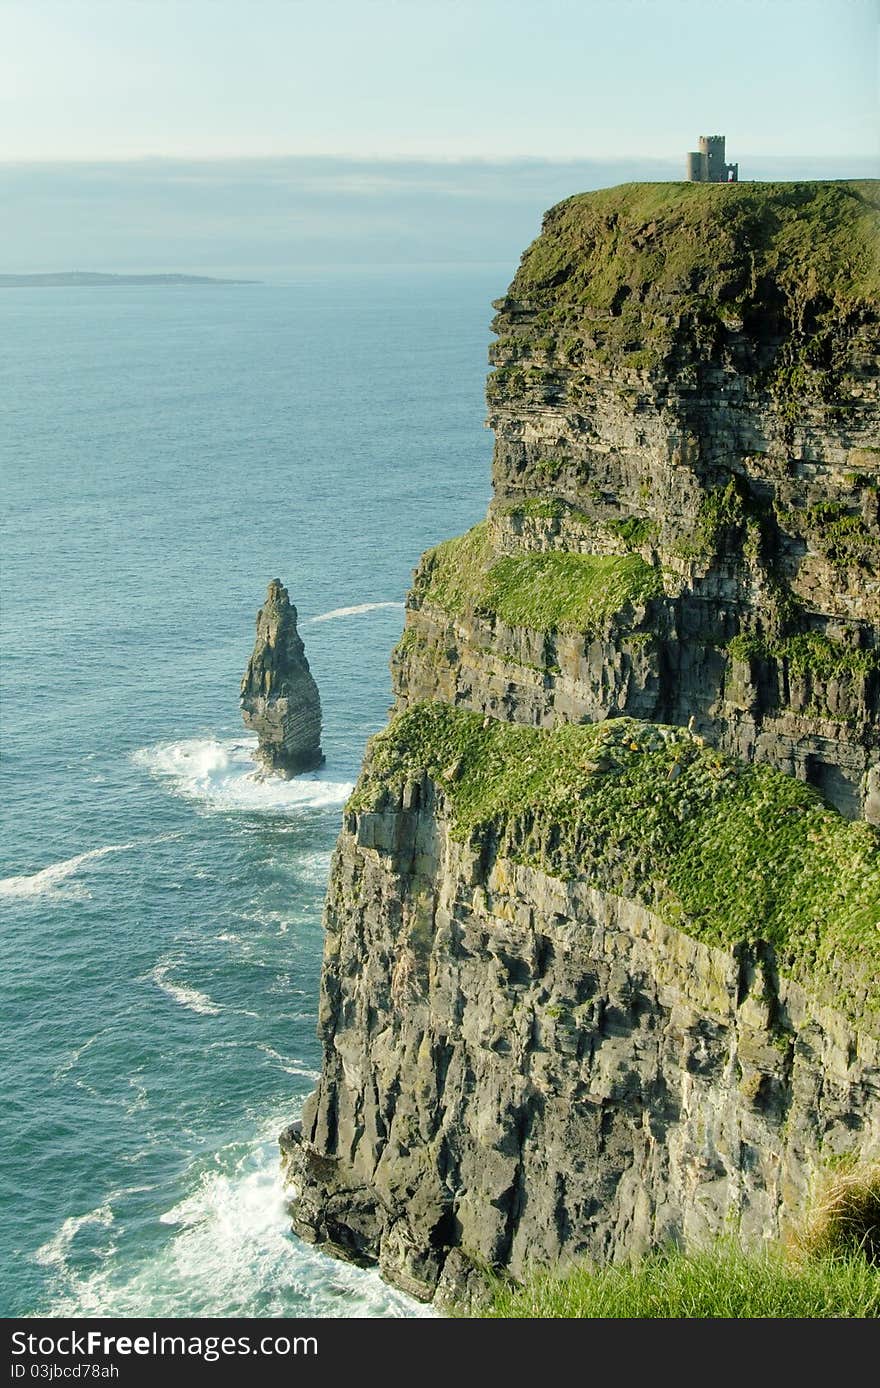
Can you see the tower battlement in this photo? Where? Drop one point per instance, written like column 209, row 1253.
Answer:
column 708, row 164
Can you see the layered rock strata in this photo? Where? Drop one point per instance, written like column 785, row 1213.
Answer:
column 572, row 1017
column 686, row 400
column 279, row 697
column 602, row 964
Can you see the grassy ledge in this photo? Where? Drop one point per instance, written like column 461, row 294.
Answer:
column 723, row 1283
column 725, row 851
column 809, row 653
column 551, row 591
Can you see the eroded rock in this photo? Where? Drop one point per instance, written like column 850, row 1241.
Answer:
column 279, row 697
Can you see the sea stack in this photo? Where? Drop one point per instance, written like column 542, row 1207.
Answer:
column 279, row 697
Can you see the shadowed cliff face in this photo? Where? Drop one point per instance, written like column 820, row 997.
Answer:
column 522, row 1069
column 279, row 697
column 589, row 988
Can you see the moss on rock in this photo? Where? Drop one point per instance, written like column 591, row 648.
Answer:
column 724, row 851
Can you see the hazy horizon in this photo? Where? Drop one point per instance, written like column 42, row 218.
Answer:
column 202, row 137
column 270, row 218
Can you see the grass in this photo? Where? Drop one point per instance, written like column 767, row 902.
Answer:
column 720, row 1284
column 537, row 508
column 621, row 265
column 846, row 1217
column 724, row 851
column 550, row 591
column 808, row 653
column 633, row 531
column 831, row 1270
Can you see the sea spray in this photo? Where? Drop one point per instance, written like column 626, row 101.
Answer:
column 223, row 775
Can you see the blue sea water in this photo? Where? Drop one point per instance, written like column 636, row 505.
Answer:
column 166, row 453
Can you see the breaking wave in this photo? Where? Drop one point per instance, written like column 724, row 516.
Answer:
column 224, row 776
column 353, row 611
column 229, row 1251
column 55, row 879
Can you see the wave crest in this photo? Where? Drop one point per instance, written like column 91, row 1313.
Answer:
column 190, row 998
column 54, row 880
column 355, row 611
column 223, row 776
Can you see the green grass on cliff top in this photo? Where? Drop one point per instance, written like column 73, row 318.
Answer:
column 809, row 237
column 811, row 250
column 720, row 1283
column 550, row 591
column 724, row 851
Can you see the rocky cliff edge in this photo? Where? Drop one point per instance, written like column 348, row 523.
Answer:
column 603, row 926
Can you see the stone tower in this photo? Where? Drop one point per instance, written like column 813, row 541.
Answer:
column 708, row 164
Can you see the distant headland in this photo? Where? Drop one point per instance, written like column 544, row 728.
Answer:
column 67, row 279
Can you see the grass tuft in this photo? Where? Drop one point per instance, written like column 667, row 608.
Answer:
column 721, row 1284
column 846, row 1217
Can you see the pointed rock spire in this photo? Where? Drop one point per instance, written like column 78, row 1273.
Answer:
column 279, row 697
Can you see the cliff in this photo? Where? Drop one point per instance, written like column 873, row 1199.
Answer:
column 279, row 697
column 602, row 962
column 686, row 520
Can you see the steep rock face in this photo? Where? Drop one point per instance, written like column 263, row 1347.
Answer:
column 521, row 1069
column 689, row 381
column 592, row 985
column 279, row 697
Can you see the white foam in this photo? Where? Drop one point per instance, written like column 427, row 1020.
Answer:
column 314, row 868
column 290, row 1067
column 355, row 611
column 229, row 1251
column 55, row 879
column 54, row 1252
column 63, row 1069
column 224, row 775
column 189, row 998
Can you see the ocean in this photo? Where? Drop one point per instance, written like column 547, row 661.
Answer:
column 166, row 453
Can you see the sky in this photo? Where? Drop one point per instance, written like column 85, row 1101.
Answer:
column 117, row 79
column 251, row 133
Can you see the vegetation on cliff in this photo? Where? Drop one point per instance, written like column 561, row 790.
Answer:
column 723, row 850
column 686, row 409
column 723, row 1283
column 809, row 653
column 550, row 591
column 789, row 261
column 831, row 1268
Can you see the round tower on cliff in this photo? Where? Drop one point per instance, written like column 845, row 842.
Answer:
column 708, row 164
column 712, row 149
